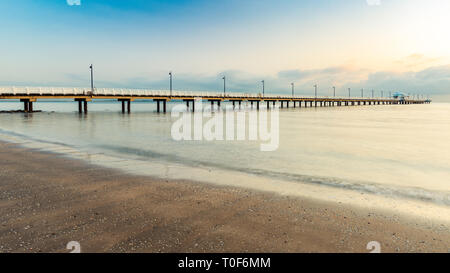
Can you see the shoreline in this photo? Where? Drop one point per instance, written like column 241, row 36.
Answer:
column 49, row 200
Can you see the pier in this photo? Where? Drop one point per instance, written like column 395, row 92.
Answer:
column 83, row 96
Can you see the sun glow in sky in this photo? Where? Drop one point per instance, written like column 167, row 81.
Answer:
column 397, row 45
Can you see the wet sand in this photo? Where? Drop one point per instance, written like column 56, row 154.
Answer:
column 48, row 200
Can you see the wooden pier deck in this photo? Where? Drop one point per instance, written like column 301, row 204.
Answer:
column 30, row 95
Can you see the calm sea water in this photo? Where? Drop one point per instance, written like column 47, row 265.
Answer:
column 394, row 157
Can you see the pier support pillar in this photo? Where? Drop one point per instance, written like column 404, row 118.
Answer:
column 82, row 105
column 188, row 103
column 25, row 106
column 28, row 105
column 126, row 102
column 218, row 104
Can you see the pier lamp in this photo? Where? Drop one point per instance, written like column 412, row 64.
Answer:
column 170, row 81
column 334, row 91
column 263, row 86
column 362, row 93
column 373, row 93
column 292, row 84
column 92, row 78
column 224, row 85
column 349, row 92
column 315, row 91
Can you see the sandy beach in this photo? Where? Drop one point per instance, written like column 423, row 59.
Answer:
column 48, row 200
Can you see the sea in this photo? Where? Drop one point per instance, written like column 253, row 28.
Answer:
column 382, row 157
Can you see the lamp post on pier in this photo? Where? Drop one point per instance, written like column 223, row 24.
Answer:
column 92, row 78
column 224, row 86
column 170, row 80
column 263, row 86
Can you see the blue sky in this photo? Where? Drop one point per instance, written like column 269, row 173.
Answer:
column 397, row 45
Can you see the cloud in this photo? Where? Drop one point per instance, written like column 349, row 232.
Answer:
column 416, row 61
column 432, row 80
column 290, row 74
column 435, row 73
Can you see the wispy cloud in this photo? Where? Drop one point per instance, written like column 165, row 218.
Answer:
column 417, row 61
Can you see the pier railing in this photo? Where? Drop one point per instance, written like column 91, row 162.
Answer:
column 117, row 92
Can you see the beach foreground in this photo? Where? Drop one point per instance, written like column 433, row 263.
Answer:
column 47, row 201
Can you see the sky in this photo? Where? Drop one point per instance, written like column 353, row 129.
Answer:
column 389, row 45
